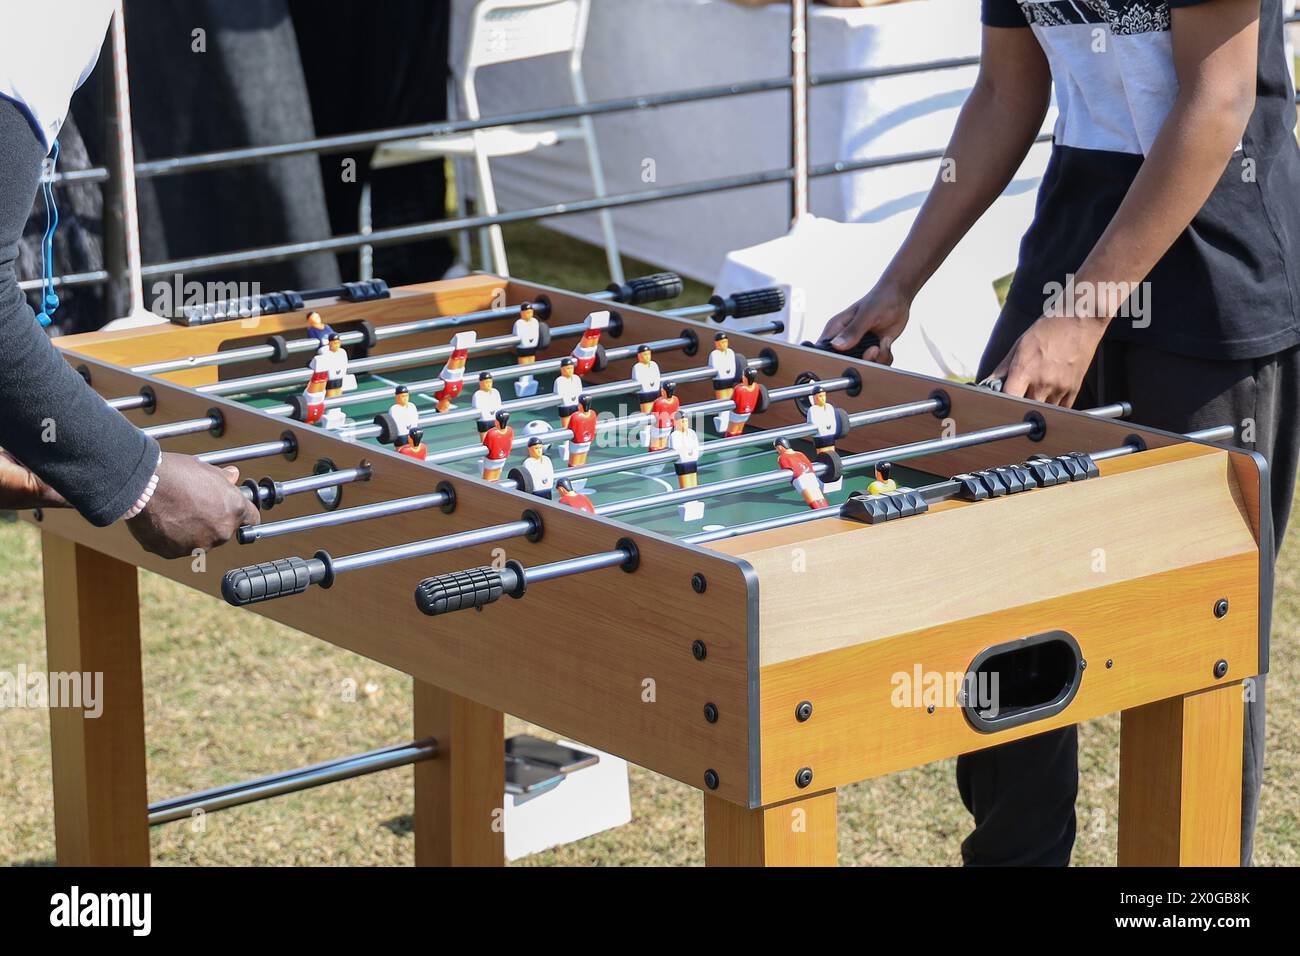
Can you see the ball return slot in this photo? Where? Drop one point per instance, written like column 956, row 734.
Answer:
column 1021, row 681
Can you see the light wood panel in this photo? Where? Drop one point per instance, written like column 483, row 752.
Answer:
column 964, row 561
column 1180, row 780
column 613, row 665
column 799, row 832
column 92, row 627
column 1159, row 634
column 458, row 794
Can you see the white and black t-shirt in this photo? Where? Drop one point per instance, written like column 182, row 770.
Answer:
column 1229, row 286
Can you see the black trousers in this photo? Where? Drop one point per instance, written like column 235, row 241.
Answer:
column 1022, row 794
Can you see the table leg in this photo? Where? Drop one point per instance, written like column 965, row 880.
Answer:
column 800, row 832
column 92, row 629
column 458, row 794
column 1180, row 780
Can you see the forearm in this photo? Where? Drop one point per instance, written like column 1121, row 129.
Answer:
column 1215, row 51
column 993, row 134
column 1186, row 161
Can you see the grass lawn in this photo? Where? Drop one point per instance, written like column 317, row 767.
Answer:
column 230, row 695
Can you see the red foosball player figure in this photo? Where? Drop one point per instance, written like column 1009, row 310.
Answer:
column 664, row 409
column 803, row 477
column 574, row 499
column 528, row 330
column 646, row 375
column 583, row 425
column 317, row 329
column 314, row 393
column 405, row 415
column 883, row 484
column 744, row 398
column 486, row 401
column 414, row 447
column 584, row 353
column 568, row 387
column 453, row 373
column 499, row 441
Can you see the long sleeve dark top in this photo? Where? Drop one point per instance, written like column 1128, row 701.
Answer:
column 50, row 419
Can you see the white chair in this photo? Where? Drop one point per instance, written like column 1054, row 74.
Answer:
column 504, row 31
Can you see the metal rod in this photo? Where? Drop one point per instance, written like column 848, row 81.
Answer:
column 291, row 781
column 348, row 141
column 265, row 449
column 587, row 562
column 294, row 346
column 378, row 509
column 128, row 402
column 834, row 511
column 749, row 482
column 296, row 376
column 760, row 437
column 191, row 426
column 418, row 549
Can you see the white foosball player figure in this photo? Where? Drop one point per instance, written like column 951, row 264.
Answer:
column 568, row 388
column 405, row 415
column 528, row 330
column 686, row 443
column 486, row 401
column 539, row 468
column 329, row 379
column 823, row 417
column 646, row 375
column 725, row 375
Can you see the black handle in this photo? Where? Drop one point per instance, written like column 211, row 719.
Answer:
column 475, row 587
column 272, row 579
column 741, row 305
column 868, row 341
column 276, row 303
column 654, row 288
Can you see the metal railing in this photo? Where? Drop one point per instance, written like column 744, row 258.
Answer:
column 793, row 174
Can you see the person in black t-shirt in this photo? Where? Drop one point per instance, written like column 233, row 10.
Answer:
column 1162, row 267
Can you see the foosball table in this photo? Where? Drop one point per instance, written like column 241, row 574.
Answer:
column 765, row 570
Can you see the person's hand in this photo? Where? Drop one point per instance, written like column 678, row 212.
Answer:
column 1049, row 361
column 884, row 310
column 21, row 489
column 195, row 506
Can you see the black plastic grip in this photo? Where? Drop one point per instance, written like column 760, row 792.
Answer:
column 270, row 580
column 457, row 590
column 867, row 341
column 654, row 288
column 741, row 305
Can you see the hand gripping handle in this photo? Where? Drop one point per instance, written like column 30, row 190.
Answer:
column 866, row 342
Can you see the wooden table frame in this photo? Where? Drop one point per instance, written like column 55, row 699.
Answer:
column 1151, row 617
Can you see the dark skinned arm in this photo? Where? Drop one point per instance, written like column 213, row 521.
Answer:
column 1215, row 46
column 995, row 130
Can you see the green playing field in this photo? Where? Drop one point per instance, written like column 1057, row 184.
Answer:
column 765, row 501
